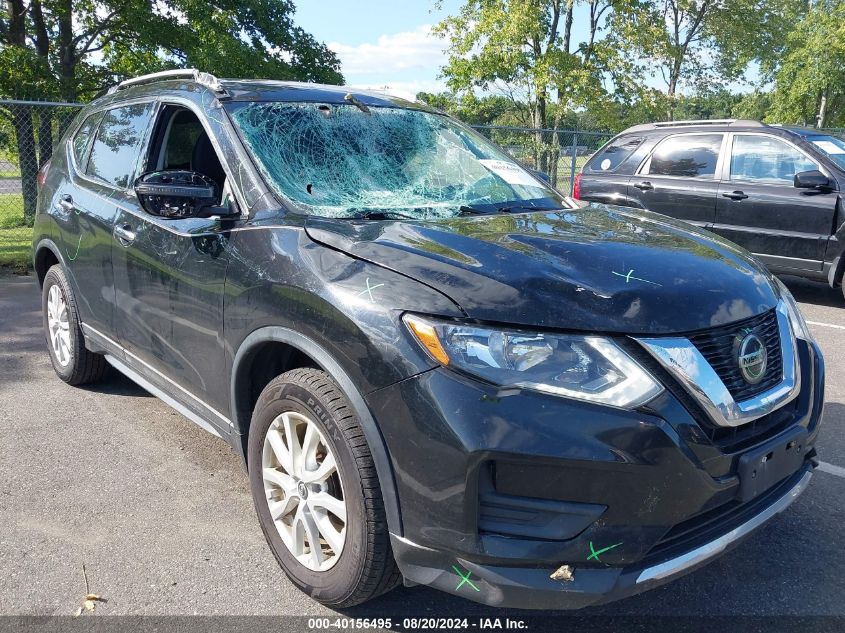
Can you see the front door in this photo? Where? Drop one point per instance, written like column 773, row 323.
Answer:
column 169, row 278
column 759, row 208
column 679, row 179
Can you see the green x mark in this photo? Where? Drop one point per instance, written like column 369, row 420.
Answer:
column 464, row 579
column 595, row 554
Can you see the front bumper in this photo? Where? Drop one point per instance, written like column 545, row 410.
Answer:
column 533, row 588
column 507, row 487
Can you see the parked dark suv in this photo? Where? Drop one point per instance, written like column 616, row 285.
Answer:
column 774, row 190
column 435, row 367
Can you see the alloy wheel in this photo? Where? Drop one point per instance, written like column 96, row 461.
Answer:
column 304, row 491
column 58, row 325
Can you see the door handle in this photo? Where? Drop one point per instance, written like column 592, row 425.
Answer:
column 735, row 195
column 124, row 234
column 644, row 186
column 65, row 203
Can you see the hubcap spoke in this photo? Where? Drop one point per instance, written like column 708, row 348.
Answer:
column 281, row 509
column 332, row 536
column 324, row 501
column 280, row 450
column 303, row 490
column 323, row 471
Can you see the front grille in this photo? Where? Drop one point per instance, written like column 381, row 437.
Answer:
column 732, row 439
column 711, row 524
column 717, row 346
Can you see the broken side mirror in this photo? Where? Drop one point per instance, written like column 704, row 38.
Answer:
column 178, row 193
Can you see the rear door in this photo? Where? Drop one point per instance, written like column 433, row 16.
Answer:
column 759, row 208
column 104, row 154
column 680, row 177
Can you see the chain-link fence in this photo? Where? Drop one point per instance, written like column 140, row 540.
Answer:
column 28, row 133
column 559, row 154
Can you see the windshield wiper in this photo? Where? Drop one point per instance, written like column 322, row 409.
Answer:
column 465, row 209
column 381, row 215
column 516, row 208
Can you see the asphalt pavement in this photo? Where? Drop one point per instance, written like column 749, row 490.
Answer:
column 159, row 512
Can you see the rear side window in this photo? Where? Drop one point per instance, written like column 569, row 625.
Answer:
column 614, row 154
column 689, row 156
column 82, row 138
column 118, row 143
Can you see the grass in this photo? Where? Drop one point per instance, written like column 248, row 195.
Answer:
column 15, row 236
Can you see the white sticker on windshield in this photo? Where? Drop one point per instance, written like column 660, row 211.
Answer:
column 510, row 173
column 829, row 147
column 605, row 164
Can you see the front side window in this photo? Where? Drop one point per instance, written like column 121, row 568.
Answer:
column 82, row 138
column 688, row 156
column 762, row 158
column 118, row 144
column 343, row 161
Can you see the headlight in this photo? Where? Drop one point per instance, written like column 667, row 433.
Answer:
column 796, row 319
column 588, row 368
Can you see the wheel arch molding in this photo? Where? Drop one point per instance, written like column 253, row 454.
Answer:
column 41, row 256
column 241, row 413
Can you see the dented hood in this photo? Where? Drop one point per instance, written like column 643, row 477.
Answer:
column 597, row 268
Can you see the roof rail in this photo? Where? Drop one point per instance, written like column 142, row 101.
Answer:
column 205, row 79
column 709, row 122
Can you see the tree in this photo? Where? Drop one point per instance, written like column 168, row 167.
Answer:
column 700, row 44
column 72, row 49
column 810, row 78
column 525, row 50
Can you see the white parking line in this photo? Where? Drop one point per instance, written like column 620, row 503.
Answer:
column 838, row 327
column 831, row 469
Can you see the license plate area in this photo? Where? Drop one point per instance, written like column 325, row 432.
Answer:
column 766, row 465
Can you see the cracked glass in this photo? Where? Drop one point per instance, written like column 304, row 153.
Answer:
column 347, row 160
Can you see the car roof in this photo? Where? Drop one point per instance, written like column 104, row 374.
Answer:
column 253, row 90
column 720, row 125
column 806, row 132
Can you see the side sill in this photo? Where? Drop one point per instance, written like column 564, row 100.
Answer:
column 161, row 395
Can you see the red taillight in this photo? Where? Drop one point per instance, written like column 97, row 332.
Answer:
column 42, row 174
column 576, row 186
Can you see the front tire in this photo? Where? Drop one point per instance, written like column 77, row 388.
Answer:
column 72, row 361
column 316, row 491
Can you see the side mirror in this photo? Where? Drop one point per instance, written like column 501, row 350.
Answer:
column 813, row 179
column 177, row 193
column 541, row 175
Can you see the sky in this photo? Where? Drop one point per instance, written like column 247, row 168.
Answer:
column 387, row 45
column 381, row 43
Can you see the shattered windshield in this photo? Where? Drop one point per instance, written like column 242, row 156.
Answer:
column 347, row 160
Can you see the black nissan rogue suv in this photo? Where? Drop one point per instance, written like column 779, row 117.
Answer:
column 774, row 190
column 435, row 367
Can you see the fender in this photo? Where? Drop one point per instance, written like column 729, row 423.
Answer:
column 371, row 430
column 50, row 245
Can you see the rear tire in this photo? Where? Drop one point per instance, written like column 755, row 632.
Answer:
column 72, row 361
column 354, row 561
